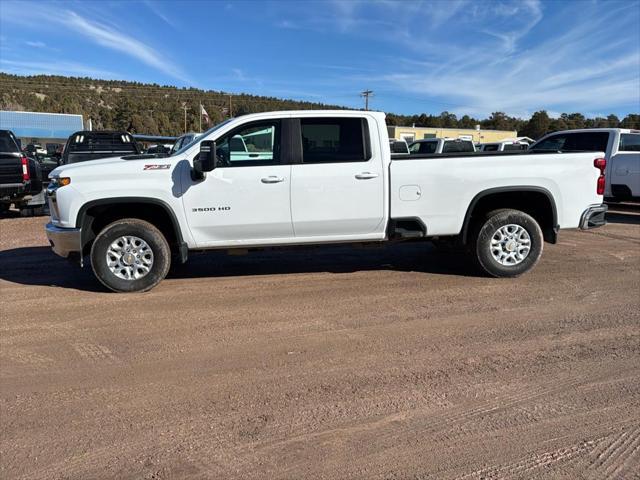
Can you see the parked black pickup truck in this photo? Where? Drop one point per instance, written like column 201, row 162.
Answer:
column 20, row 177
column 93, row 145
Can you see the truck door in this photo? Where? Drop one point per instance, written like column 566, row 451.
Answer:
column 246, row 199
column 337, row 179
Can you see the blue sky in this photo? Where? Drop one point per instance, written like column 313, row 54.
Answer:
column 464, row 56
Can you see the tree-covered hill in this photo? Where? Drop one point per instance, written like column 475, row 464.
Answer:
column 157, row 109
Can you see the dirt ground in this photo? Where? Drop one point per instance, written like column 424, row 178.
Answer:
column 337, row 363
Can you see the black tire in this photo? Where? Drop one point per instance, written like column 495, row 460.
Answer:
column 489, row 225
column 4, row 207
column 157, row 243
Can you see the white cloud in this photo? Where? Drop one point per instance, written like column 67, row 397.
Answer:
column 99, row 32
column 153, row 6
column 511, row 56
column 36, row 44
column 116, row 40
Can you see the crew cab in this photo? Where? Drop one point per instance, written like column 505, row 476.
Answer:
column 441, row 145
column 314, row 177
column 622, row 151
column 20, row 177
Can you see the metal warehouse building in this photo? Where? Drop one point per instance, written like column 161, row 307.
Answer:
column 36, row 127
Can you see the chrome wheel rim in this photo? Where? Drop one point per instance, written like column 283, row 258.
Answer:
column 129, row 257
column 510, row 245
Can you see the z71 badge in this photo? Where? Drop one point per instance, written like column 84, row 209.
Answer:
column 157, row 166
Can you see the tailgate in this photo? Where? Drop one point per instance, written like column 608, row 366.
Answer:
column 10, row 169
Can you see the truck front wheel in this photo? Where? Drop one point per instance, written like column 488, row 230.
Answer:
column 130, row 255
column 507, row 243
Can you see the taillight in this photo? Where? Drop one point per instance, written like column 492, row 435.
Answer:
column 25, row 169
column 600, row 164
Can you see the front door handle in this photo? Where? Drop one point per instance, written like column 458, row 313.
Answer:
column 272, row 179
column 366, row 175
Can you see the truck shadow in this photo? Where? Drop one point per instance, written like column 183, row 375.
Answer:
column 39, row 266
column 623, row 217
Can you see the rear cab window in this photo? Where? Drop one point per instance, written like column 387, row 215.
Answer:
column 335, row 140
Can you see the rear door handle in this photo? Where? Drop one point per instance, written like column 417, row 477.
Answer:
column 254, row 155
column 272, row 179
column 366, row 175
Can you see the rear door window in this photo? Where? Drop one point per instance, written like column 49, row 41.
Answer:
column 629, row 142
column 334, row 140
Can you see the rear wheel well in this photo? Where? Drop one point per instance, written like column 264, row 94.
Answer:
column 537, row 203
column 96, row 217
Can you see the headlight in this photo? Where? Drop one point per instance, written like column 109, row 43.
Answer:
column 57, row 182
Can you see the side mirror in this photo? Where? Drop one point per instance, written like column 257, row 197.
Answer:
column 206, row 160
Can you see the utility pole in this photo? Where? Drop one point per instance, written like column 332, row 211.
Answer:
column 185, row 108
column 199, row 117
column 366, row 94
column 230, row 108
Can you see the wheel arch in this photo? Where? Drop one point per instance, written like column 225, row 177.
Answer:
column 515, row 197
column 96, row 214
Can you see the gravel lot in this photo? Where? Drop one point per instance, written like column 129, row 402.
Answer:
column 397, row 363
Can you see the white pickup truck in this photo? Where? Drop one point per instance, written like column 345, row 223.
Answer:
column 621, row 147
column 314, row 177
column 441, row 145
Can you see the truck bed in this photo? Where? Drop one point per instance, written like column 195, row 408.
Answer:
column 438, row 189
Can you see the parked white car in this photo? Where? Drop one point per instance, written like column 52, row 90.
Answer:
column 622, row 151
column 441, row 145
column 319, row 177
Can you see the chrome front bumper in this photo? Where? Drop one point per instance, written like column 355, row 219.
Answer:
column 593, row 217
column 64, row 241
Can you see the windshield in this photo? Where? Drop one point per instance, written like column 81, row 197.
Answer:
column 184, row 148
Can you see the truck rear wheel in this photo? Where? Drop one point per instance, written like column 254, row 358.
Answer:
column 507, row 243
column 130, row 255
